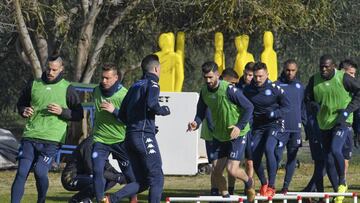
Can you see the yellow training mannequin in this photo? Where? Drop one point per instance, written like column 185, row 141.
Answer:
column 180, row 45
column 172, row 66
column 269, row 57
column 219, row 56
column 242, row 57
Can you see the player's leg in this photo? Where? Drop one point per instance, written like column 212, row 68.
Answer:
column 292, row 148
column 347, row 150
column 271, row 163
column 258, row 142
column 339, row 137
column 236, row 148
column 131, row 187
column 219, row 159
column 248, row 156
column 100, row 153
column 42, row 167
column 25, row 160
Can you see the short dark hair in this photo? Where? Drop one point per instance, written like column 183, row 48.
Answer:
column 249, row 66
column 149, row 62
column 230, row 73
column 347, row 63
column 56, row 58
column 109, row 67
column 209, row 66
column 326, row 57
column 288, row 62
column 260, row 66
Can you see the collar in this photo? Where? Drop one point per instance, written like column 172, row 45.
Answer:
column 56, row 80
column 150, row 76
column 284, row 79
column 112, row 90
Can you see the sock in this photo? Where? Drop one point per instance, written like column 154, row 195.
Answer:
column 231, row 190
column 249, row 183
column 214, row 192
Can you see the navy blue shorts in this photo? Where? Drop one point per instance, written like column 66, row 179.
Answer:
column 292, row 139
column 260, row 135
column 348, row 145
column 233, row 149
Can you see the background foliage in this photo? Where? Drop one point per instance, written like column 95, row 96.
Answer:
column 303, row 30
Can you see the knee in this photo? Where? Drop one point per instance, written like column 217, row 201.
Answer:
column 270, row 148
column 336, row 150
column 41, row 172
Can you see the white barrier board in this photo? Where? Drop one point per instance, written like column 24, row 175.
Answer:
column 181, row 151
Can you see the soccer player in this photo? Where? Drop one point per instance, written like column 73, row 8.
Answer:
column 270, row 106
column 138, row 111
column 293, row 88
column 48, row 104
column 230, row 112
column 109, row 135
column 337, row 94
column 244, row 81
column 350, row 67
column 77, row 174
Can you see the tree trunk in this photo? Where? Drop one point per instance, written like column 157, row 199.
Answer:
column 85, row 39
column 26, row 41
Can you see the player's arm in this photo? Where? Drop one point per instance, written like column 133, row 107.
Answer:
column 309, row 98
column 353, row 86
column 24, row 102
column 75, row 111
column 237, row 97
column 303, row 108
column 284, row 103
column 153, row 100
column 201, row 108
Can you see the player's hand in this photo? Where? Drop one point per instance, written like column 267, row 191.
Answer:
column 54, row 109
column 107, row 106
column 28, row 111
column 191, row 126
column 341, row 118
column 235, row 132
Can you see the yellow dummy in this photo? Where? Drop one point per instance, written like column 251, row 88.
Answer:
column 269, row 57
column 180, row 45
column 243, row 56
column 219, row 56
column 172, row 65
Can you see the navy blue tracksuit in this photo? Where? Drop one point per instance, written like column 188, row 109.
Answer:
column 293, row 121
column 138, row 111
column 270, row 106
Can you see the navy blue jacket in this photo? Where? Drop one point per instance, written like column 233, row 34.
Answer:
column 295, row 91
column 270, row 103
column 141, row 104
column 236, row 96
column 241, row 84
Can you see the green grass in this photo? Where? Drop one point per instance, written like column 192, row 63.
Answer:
column 179, row 185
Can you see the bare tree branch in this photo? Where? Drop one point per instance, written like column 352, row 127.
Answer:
column 85, row 7
column 124, row 71
column 100, row 44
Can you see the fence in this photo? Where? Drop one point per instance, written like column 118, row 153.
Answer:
column 298, row 196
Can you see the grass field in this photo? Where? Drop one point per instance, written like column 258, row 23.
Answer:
column 181, row 185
